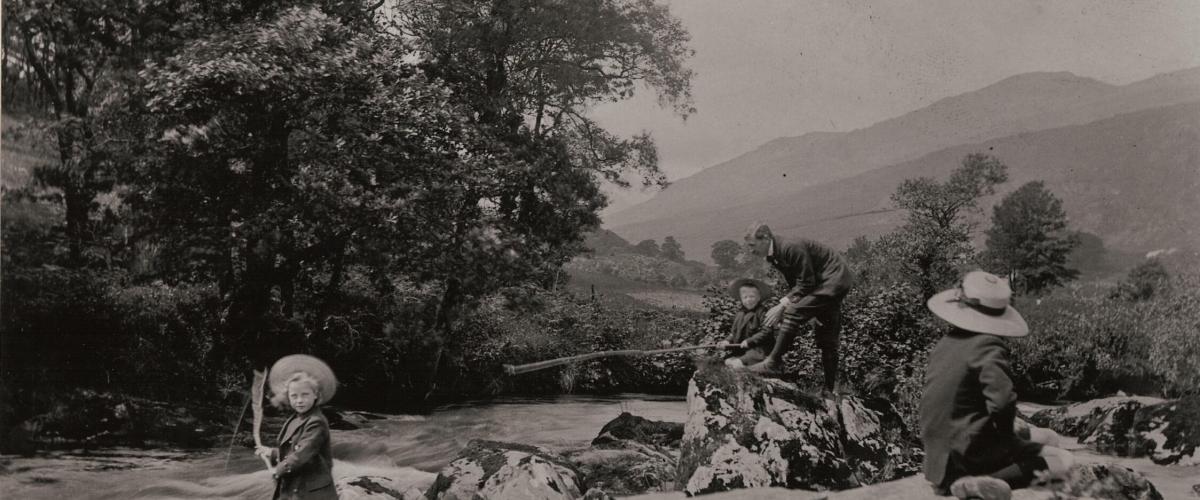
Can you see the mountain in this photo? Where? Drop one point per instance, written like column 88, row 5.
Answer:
column 1132, row 179
column 1023, row 103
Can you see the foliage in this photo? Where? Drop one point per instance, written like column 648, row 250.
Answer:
column 533, row 67
column 648, row 248
column 564, row 326
column 932, row 249
column 671, row 250
column 1143, row 281
column 725, row 254
column 1083, row 346
column 1029, row 241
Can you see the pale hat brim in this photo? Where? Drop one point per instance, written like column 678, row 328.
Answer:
column 946, row 305
column 295, row 363
column 735, row 288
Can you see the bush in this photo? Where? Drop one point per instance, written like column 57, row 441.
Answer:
column 1085, row 347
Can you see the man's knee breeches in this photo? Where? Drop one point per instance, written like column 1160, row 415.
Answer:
column 827, row 327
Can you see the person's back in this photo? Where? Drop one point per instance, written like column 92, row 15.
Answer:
column 954, row 409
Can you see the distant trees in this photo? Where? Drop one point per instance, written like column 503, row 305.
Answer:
column 671, row 250
column 1029, row 240
column 725, row 254
column 648, row 248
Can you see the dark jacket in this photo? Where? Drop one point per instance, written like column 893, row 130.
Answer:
column 968, row 407
column 748, row 326
column 811, row 269
column 305, row 468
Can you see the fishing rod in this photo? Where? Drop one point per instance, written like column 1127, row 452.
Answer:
column 541, row 365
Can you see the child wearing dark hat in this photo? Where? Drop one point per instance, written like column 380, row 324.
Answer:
column 749, row 339
column 304, row 459
column 968, row 406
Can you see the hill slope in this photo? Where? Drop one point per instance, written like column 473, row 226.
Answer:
column 1023, row 103
column 1133, row 179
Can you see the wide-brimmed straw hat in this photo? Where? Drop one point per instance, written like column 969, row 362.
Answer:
column 735, row 288
column 296, row 363
column 980, row 304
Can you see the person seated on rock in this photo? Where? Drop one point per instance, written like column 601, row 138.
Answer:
column 304, row 459
column 968, row 406
column 819, row 279
column 748, row 339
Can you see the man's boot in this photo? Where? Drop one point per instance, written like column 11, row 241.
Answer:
column 773, row 365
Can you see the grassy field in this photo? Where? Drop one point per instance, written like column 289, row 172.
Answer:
column 624, row 292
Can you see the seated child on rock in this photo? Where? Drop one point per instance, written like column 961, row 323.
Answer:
column 968, row 406
column 749, row 341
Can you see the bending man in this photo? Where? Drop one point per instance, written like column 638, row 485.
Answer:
column 818, row 279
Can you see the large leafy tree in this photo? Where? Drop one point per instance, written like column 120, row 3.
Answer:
column 935, row 241
column 1029, row 240
column 295, row 152
column 66, row 61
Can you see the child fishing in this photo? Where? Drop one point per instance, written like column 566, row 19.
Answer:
column 303, row 460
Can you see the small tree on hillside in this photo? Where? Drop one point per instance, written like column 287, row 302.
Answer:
column 725, row 254
column 1029, row 240
column 936, row 240
column 671, row 250
column 648, row 248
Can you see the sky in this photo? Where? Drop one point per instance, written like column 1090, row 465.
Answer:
column 780, row 68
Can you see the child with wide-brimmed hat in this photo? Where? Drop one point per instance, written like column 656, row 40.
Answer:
column 749, row 340
column 304, row 459
column 968, row 406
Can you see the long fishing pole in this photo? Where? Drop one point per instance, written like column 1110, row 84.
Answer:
column 541, row 365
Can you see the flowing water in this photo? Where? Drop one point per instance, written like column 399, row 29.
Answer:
column 400, row 446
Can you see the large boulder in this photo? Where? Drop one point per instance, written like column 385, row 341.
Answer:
column 631, row 455
column 1169, row 432
column 492, row 470
column 1105, row 424
column 744, row 431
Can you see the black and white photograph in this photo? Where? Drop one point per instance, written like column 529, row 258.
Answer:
column 600, row 249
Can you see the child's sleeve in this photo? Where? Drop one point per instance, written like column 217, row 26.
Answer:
column 763, row 334
column 992, row 363
column 314, row 434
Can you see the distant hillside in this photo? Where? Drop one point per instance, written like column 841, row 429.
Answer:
column 786, row 166
column 1133, row 180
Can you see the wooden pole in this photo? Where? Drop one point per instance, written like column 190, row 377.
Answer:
column 541, row 365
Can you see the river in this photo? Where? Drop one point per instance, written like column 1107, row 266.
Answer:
column 397, row 446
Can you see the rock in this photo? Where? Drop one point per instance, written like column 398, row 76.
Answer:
column 491, row 470
column 1112, row 482
column 1169, row 432
column 1092, row 481
column 631, row 427
column 376, row 487
column 1104, row 424
column 747, row 432
column 94, row 419
column 631, row 455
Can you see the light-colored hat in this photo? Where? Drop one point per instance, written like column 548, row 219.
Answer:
column 296, row 363
column 735, row 288
column 980, row 304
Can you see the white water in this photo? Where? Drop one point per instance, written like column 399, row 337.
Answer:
column 399, row 446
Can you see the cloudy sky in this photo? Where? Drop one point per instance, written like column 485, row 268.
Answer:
column 773, row 68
